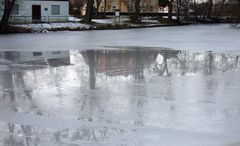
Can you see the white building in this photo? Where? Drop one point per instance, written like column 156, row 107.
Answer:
column 53, row 58
column 27, row 11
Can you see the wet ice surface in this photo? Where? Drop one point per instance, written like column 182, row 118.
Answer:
column 195, row 37
column 119, row 97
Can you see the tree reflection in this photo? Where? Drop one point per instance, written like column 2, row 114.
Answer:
column 15, row 140
column 163, row 68
column 117, row 63
column 8, row 88
column 209, row 63
column 230, row 65
column 92, row 69
column 139, row 66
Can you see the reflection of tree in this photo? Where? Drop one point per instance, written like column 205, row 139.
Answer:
column 138, row 102
column 209, row 63
column 139, row 91
column 21, row 83
column 8, row 88
column 27, row 131
column 192, row 62
column 92, row 68
column 232, row 65
column 118, row 63
column 10, row 141
column 14, row 140
column 183, row 61
column 138, row 67
column 163, row 68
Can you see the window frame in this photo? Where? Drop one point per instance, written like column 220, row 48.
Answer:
column 55, row 11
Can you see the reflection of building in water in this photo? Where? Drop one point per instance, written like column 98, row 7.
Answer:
column 123, row 62
column 53, row 58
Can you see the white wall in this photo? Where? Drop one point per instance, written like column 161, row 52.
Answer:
column 28, row 56
column 1, row 8
column 25, row 11
column 64, row 9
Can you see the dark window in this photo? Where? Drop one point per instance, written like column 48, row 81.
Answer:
column 46, row 9
column 55, row 9
column 56, row 52
column 37, row 53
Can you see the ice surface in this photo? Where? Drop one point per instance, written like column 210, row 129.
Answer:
column 196, row 37
column 119, row 97
column 138, row 95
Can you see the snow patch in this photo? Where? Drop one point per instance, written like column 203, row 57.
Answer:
column 44, row 27
column 104, row 21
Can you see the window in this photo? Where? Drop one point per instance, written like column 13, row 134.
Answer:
column 37, row 53
column 56, row 52
column 15, row 9
column 55, row 9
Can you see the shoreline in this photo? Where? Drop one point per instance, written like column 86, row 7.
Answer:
column 23, row 28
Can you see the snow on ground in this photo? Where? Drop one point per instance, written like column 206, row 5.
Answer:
column 104, row 21
column 112, row 20
column 74, row 19
column 41, row 27
column 76, row 24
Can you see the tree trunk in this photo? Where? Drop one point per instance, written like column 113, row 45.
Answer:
column 88, row 17
column 97, row 8
column 210, row 6
column 186, row 10
column 92, row 69
column 178, row 7
column 8, row 6
column 170, row 10
column 137, row 10
column 105, row 8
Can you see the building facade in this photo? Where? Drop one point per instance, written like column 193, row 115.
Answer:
column 28, row 11
column 147, row 6
column 53, row 58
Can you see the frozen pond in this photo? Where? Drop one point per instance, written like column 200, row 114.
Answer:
column 120, row 97
column 195, row 37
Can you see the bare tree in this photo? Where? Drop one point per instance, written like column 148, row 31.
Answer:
column 167, row 3
column 182, row 10
column 135, row 7
column 97, row 3
column 76, row 6
column 235, row 10
column 89, row 11
column 8, row 7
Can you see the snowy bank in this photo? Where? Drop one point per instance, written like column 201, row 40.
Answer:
column 77, row 24
column 71, row 26
column 44, row 27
